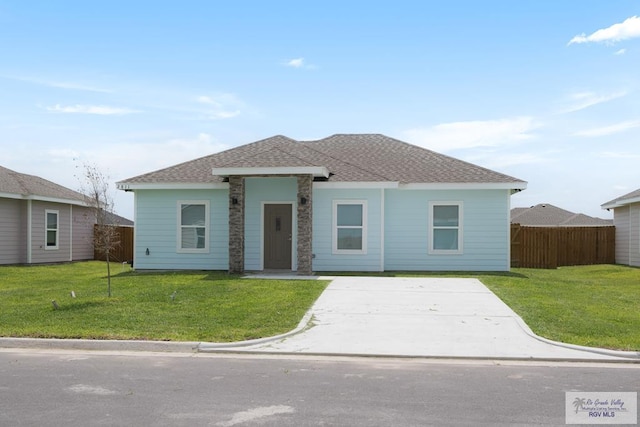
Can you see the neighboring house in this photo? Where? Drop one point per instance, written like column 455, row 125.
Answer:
column 41, row 221
column 117, row 220
column 363, row 202
column 548, row 215
column 626, row 217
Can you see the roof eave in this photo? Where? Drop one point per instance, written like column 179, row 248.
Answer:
column 131, row 186
column 513, row 186
column 620, row 203
column 38, row 198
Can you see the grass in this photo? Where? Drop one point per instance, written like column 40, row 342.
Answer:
column 207, row 306
column 595, row 306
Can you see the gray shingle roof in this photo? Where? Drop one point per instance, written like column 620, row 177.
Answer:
column 348, row 157
column 12, row 182
column 547, row 215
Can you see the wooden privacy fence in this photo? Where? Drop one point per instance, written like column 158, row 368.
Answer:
column 553, row 247
column 124, row 251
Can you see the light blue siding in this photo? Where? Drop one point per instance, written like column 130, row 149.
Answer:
column 397, row 233
column 258, row 191
column 324, row 258
column 156, row 229
column 485, row 230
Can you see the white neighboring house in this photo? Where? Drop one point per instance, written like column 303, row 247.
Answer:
column 349, row 202
column 42, row 222
column 626, row 218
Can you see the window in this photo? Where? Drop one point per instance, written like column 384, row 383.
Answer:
column 350, row 227
column 51, row 229
column 193, row 228
column 445, row 224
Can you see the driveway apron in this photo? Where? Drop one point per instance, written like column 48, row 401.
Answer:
column 442, row 317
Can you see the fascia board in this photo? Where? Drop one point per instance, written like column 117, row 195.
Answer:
column 620, row 203
column 37, row 198
column 172, row 186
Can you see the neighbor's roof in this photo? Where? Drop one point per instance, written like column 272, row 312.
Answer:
column 347, row 157
column 627, row 199
column 547, row 215
column 19, row 185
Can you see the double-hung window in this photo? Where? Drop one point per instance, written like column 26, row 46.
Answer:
column 193, row 226
column 349, row 227
column 445, row 225
column 52, row 227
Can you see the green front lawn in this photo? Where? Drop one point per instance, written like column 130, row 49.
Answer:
column 207, row 306
column 596, row 306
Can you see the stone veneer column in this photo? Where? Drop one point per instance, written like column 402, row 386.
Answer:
column 236, row 224
column 305, row 220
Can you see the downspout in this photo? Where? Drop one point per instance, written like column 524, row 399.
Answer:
column 29, row 230
column 70, row 232
column 382, row 229
column 509, row 194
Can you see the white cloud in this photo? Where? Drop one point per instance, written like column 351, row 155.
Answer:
column 91, row 109
column 506, row 161
column 581, row 100
column 458, row 135
column 60, row 84
column 609, row 130
column 620, row 52
column 629, row 28
column 299, row 63
column 223, row 106
column 118, row 161
column 295, row 63
column 619, row 155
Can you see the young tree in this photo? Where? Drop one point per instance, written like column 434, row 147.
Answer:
column 96, row 189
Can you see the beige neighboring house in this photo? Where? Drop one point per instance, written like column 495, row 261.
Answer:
column 548, row 215
column 626, row 217
column 42, row 222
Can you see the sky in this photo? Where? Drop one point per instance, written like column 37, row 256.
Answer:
column 545, row 91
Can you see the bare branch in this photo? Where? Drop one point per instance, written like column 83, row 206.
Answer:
column 97, row 192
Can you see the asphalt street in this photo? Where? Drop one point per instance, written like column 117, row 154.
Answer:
column 88, row 388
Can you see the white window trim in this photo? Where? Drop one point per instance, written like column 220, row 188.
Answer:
column 207, row 222
column 334, row 228
column 57, row 230
column 460, row 229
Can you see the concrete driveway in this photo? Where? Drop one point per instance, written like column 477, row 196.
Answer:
column 444, row 317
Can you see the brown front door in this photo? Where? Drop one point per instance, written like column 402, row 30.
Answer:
column 277, row 237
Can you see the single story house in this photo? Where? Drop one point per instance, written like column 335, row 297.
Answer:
column 626, row 218
column 349, row 202
column 42, row 222
column 548, row 215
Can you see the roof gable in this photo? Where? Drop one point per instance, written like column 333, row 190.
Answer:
column 348, row 158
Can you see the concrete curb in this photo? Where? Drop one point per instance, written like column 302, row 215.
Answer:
column 606, row 352
column 100, row 345
column 305, row 323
